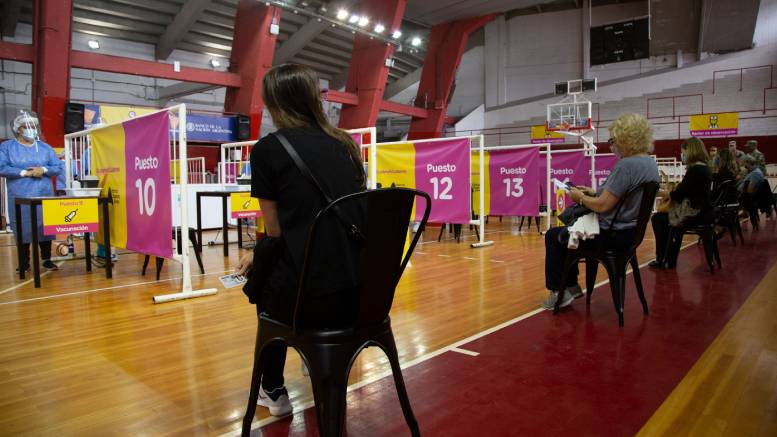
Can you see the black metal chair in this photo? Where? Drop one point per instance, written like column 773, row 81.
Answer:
column 726, row 209
column 615, row 261
column 707, row 237
column 329, row 353
column 177, row 236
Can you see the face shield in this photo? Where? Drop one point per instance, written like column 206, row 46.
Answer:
column 26, row 126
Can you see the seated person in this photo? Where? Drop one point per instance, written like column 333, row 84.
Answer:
column 631, row 140
column 753, row 175
column 728, row 170
column 756, row 193
column 751, row 148
column 695, row 187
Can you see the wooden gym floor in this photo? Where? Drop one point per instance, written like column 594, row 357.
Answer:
column 88, row 356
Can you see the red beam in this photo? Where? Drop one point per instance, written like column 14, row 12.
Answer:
column 253, row 47
column 399, row 108
column 341, row 97
column 159, row 70
column 12, row 51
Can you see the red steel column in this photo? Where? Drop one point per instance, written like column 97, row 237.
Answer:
column 253, row 47
column 367, row 72
column 446, row 46
column 51, row 67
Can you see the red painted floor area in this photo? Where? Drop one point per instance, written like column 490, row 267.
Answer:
column 572, row 374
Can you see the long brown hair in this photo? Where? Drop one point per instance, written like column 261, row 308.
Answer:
column 694, row 151
column 728, row 161
column 293, row 97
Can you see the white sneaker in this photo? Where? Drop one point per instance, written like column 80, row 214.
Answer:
column 278, row 407
column 550, row 302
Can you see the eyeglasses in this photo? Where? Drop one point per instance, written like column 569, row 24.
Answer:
column 611, row 141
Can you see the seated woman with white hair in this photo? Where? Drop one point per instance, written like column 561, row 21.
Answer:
column 28, row 165
column 631, row 139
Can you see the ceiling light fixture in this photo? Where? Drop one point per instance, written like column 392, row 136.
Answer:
column 363, row 21
column 379, row 28
column 415, row 42
column 342, row 14
column 93, row 44
column 396, row 34
column 214, row 63
column 354, row 19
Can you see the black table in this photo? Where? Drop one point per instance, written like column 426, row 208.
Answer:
column 33, row 203
column 224, row 195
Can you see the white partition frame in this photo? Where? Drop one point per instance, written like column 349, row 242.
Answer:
column 481, row 221
column 75, row 146
column 372, row 176
column 226, row 150
column 4, row 211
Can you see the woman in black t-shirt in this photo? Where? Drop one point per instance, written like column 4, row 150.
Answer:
column 696, row 188
column 290, row 203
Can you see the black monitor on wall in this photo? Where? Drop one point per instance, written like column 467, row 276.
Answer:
column 618, row 42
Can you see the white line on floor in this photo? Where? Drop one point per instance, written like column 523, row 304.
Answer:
column 96, row 290
column 467, row 257
column 305, row 405
column 444, row 256
column 496, row 261
column 21, row 284
column 465, row 351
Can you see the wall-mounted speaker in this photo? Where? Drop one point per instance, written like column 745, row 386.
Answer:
column 74, row 117
column 243, row 127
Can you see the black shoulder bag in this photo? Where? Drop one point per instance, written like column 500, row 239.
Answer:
column 268, row 250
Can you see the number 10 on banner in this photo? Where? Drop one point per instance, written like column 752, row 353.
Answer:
column 146, row 196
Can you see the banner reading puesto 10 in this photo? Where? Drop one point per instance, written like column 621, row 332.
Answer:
column 440, row 168
column 132, row 160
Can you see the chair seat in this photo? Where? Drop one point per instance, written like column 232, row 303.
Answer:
column 317, row 335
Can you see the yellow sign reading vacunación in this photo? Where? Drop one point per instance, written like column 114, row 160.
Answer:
column 70, row 216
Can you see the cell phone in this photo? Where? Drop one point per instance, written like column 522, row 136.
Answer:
column 560, row 185
column 233, row 280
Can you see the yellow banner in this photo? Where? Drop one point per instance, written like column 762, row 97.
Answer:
column 716, row 124
column 396, row 166
column 117, row 114
column 540, row 135
column 243, row 205
column 476, row 183
column 109, row 164
column 70, row 216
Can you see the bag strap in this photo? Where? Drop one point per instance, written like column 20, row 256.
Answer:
column 352, row 229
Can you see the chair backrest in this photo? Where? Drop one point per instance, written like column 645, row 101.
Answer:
column 726, row 194
column 648, row 191
column 383, row 218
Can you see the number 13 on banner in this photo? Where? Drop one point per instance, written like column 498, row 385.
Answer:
column 513, row 187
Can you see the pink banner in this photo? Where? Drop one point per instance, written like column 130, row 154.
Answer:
column 442, row 169
column 514, row 176
column 604, row 165
column 149, row 215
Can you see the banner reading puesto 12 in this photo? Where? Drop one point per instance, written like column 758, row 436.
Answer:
column 440, row 168
column 132, row 160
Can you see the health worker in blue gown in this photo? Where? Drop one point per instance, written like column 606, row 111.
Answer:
column 29, row 165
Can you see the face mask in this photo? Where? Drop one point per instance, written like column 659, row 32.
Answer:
column 29, row 134
column 683, row 158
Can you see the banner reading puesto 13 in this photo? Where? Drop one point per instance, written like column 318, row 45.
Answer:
column 440, row 168
column 132, row 160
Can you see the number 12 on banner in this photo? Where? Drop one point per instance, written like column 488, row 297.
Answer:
column 442, row 187
column 146, row 196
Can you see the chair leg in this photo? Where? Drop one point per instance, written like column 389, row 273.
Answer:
column 520, row 224
column 256, row 379
column 193, row 240
column 739, row 230
column 716, row 252
column 442, row 230
column 159, row 263
column 390, row 349
column 733, row 232
column 616, row 274
column 145, row 264
column 707, row 239
column 329, row 366
column 591, row 269
column 638, row 283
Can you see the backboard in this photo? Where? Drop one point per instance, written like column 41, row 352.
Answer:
column 569, row 116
